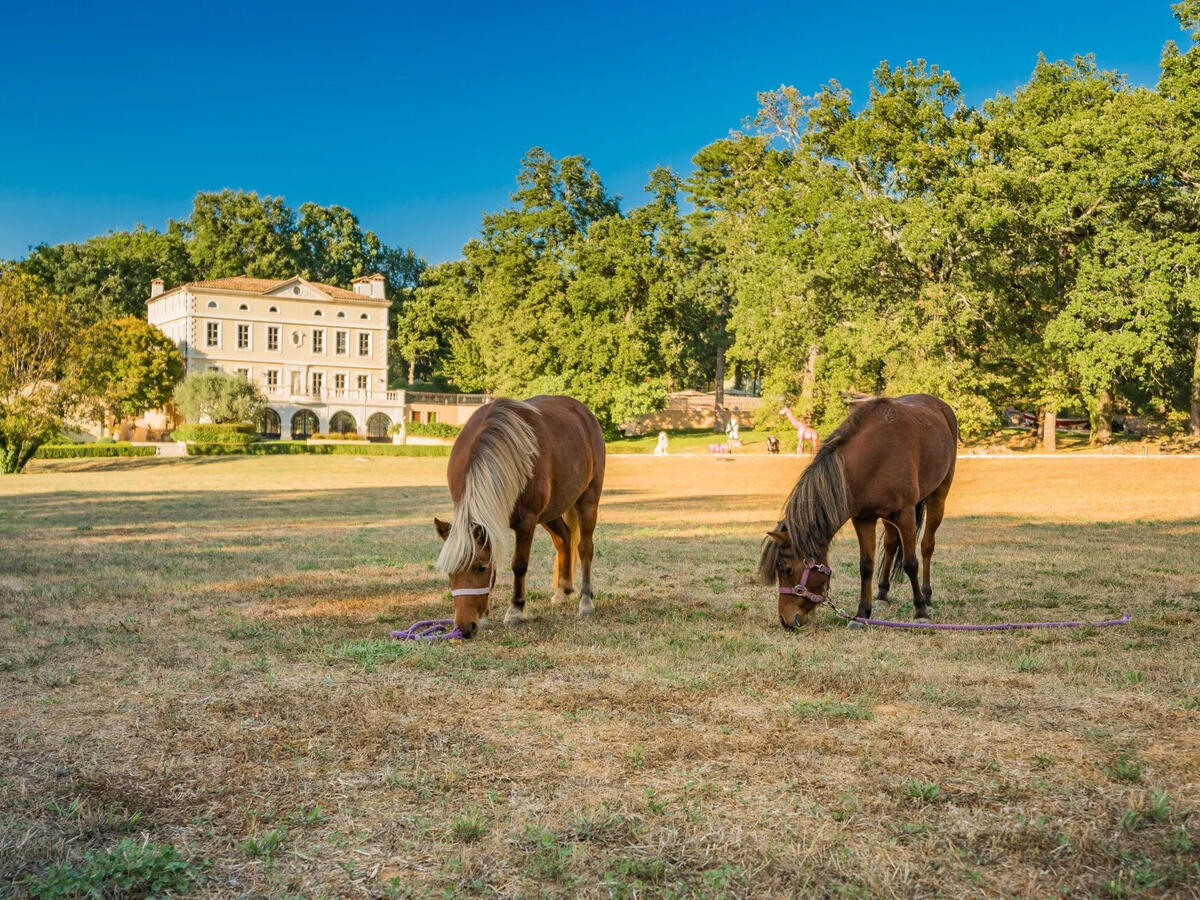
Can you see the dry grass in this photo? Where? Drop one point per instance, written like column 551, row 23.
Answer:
column 195, row 651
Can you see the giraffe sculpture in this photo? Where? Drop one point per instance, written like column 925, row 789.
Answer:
column 804, row 431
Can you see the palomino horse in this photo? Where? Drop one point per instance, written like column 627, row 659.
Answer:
column 514, row 466
column 891, row 459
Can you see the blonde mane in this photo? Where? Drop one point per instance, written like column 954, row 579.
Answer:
column 501, row 465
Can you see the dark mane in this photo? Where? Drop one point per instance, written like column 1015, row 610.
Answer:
column 820, row 502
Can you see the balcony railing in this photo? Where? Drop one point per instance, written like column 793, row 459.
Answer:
column 326, row 395
column 448, row 399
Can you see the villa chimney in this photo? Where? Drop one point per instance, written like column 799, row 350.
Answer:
column 156, row 287
column 373, row 286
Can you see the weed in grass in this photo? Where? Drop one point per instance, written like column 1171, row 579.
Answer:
column 654, row 804
column 1027, row 662
column 1135, row 678
column 312, row 815
column 628, row 876
column 131, row 869
column 265, row 844
column 469, row 827
column 1178, row 841
column 831, row 709
column 924, row 791
column 1158, row 806
column 1131, row 820
column 1126, row 768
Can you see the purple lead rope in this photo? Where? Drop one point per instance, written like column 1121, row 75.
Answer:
column 1003, row 626
column 430, row 630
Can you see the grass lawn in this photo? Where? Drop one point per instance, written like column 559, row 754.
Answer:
column 196, row 685
column 696, row 440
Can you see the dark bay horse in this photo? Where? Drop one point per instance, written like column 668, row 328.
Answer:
column 514, row 466
column 891, row 459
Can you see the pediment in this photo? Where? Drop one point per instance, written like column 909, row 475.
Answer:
column 297, row 289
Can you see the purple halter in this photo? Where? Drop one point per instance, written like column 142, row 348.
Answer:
column 801, row 590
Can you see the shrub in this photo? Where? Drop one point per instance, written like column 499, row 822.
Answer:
column 131, row 869
column 432, row 429
column 235, row 433
column 272, row 448
column 80, row 451
column 220, row 397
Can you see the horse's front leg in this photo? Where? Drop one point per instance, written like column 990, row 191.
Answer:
column 906, row 524
column 891, row 545
column 520, row 565
column 865, row 529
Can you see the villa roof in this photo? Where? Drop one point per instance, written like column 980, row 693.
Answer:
column 245, row 284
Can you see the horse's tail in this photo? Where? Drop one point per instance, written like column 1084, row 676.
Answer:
column 898, row 562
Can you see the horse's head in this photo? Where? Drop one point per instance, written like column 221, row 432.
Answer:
column 472, row 584
column 802, row 582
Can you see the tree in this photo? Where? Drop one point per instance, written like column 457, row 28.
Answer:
column 109, row 275
column 239, row 233
column 126, row 366
column 218, row 397
column 36, row 387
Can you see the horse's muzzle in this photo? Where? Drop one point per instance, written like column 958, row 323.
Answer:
column 469, row 630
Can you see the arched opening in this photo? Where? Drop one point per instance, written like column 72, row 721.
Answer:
column 304, row 423
column 269, row 425
column 343, row 423
column 377, row 427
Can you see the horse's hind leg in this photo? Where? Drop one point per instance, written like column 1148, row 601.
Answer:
column 935, row 508
column 564, row 559
column 520, row 565
column 587, row 507
column 891, row 544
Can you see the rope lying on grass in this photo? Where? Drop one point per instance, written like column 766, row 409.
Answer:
column 429, row 630
column 1002, row 626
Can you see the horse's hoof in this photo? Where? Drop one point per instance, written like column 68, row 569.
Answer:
column 514, row 616
column 558, row 597
column 923, row 620
column 855, row 625
column 586, row 609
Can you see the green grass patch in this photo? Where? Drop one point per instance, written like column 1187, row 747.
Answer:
column 131, row 869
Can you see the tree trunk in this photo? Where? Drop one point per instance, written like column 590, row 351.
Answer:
column 1102, row 430
column 412, row 371
column 1049, row 436
column 719, row 398
column 1194, row 424
column 809, row 384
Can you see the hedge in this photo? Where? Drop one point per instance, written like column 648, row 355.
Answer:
column 78, row 451
column 284, row 448
column 432, row 429
column 237, row 433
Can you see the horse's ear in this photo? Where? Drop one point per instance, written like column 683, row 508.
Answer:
column 479, row 534
column 443, row 528
column 779, row 535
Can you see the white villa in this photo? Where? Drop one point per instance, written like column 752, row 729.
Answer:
column 318, row 352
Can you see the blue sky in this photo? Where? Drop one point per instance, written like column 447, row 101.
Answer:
column 415, row 117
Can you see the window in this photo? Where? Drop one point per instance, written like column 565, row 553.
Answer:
column 362, row 382
column 339, row 342
column 272, row 337
column 272, row 378
column 296, row 290
column 245, row 373
column 297, row 338
column 341, row 315
column 212, row 304
column 243, row 337
column 339, row 381
column 363, row 316
column 431, row 416
column 244, row 308
column 318, row 340
column 273, row 309
column 212, row 334
column 364, row 344
column 318, row 382
column 318, row 313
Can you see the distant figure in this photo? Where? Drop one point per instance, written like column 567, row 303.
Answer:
column 772, row 444
column 718, row 449
column 804, row 431
column 660, row 449
column 733, row 429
